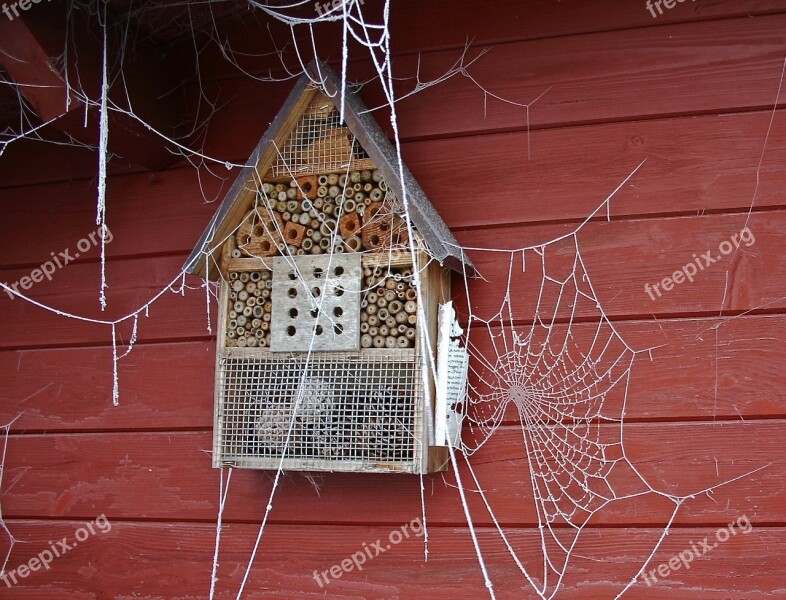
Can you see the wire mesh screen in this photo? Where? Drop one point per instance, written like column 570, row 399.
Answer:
column 341, row 409
column 319, row 143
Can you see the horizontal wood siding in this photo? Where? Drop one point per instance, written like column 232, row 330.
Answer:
column 690, row 93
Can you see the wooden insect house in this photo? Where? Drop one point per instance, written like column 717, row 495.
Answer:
column 330, row 300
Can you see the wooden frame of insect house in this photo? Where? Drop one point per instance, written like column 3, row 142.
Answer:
column 330, row 301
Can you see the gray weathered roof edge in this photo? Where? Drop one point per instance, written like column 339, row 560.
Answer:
column 373, row 140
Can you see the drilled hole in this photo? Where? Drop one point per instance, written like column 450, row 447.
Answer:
column 292, row 293
column 293, row 313
column 318, row 272
column 291, row 331
column 374, row 240
column 316, row 292
column 292, row 276
column 339, row 271
column 318, row 329
column 314, row 312
column 338, row 328
column 339, row 291
column 338, row 311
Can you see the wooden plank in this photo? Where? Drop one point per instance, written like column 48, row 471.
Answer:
column 419, row 27
column 729, row 65
column 173, row 560
column 167, row 475
column 49, row 218
column 71, row 389
column 654, row 249
column 696, row 164
column 132, row 283
column 622, row 257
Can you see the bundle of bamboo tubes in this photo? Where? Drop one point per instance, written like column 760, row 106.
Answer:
column 249, row 309
column 389, row 309
column 315, row 214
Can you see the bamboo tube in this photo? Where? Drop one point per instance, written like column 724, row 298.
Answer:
column 333, row 191
column 411, row 294
column 384, row 331
column 402, row 342
column 371, row 309
column 255, row 276
column 241, row 342
column 324, row 243
column 251, row 342
column 357, row 186
column 256, row 323
column 394, row 306
column 373, row 320
column 391, row 323
column 258, row 312
column 316, row 249
column 390, row 283
column 241, row 331
column 286, row 215
column 332, row 179
column 410, row 333
column 359, row 198
column 233, row 296
column 319, row 203
column 322, row 191
column 354, row 243
column 379, row 342
column 411, row 307
column 250, row 287
column 232, row 334
column 233, row 324
column 365, row 175
column 237, row 286
column 412, row 319
column 366, row 341
column 376, row 175
column 328, row 227
column 242, row 296
column 317, row 235
column 322, row 180
column 265, row 325
column 264, row 342
column 232, row 314
column 375, row 195
column 342, row 181
column 307, row 244
column 402, row 329
column 239, row 306
column 233, row 275
column 242, row 320
column 363, row 317
column 368, row 187
column 259, row 334
column 251, row 301
column 266, row 318
column 328, row 209
column 364, row 327
column 306, row 206
column 247, row 312
column 349, row 205
column 291, row 193
column 401, row 316
column 373, row 331
column 354, row 176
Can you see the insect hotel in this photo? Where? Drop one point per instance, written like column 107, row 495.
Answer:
column 332, row 305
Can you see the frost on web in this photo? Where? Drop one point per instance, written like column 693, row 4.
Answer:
column 547, row 357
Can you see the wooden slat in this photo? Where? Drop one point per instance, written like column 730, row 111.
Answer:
column 71, row 389
column 51, row 218
column 418, row 27
column 710, row 67
column 167, row 475
column 132, row 283
column 622, row 256
column 173, row 560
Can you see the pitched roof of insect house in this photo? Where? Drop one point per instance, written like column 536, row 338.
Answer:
column 281, row 155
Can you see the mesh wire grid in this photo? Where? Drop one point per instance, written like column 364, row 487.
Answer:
column 340, row 408
column 319, row 143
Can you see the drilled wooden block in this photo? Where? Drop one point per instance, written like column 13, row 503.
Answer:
column 258, row 234
column 349, row 225
column 307, row 186
column 294, row 233
column 316, row 303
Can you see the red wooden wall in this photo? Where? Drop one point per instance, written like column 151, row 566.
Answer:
column 691, row 91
